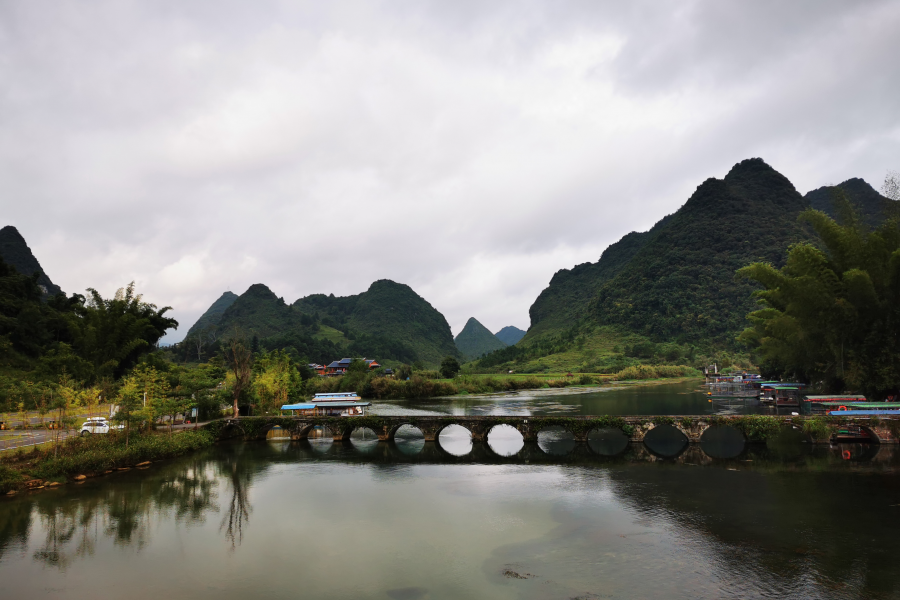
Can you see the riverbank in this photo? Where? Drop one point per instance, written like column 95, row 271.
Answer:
column 419, row 388
column 83, row 457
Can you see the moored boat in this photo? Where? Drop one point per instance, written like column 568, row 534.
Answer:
column 851, row 434
column 334, row 404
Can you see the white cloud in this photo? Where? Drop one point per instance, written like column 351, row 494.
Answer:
column 469, row 150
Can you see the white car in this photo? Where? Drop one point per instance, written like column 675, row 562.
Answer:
column 97, row 425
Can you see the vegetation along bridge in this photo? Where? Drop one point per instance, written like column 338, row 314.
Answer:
column 754, row 428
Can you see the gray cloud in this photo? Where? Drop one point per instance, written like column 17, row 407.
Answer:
column 467, row 149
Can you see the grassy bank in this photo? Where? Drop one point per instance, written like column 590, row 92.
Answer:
column 95, row 455
column 420, row 386
column 639, row 372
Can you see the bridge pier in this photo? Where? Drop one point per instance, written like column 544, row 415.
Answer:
column 885, row 433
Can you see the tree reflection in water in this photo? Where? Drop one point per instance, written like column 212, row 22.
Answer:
column 238, row 473
column 121, row 510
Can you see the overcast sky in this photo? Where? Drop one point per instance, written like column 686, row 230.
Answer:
column 467, row 149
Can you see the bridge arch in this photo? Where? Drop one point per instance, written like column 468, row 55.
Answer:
column 723, row 441
column 556, row 440
column 392, row 431
column 309, row 431
column 275, row 431
column 232, row 430
column 608, row 441
column 454, row 439
column 504, row 439
column 666, row 441
column 407, row 439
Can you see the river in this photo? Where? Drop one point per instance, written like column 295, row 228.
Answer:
column 415, row 520
column 679, row 398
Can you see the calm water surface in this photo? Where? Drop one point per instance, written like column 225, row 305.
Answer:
column 449, row 520
column 368, row 519
column 681, row 398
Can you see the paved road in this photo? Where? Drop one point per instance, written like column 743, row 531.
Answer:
column 32, row 437
column 24, row 439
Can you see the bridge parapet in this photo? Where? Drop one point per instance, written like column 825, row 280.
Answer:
column 755, row 428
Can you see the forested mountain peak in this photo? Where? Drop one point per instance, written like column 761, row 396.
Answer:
column 750, row 186
column 871, row 206
column 16, row 253
column 566, row 300
column 475, row 340
column 260, row 291
column 258, row 311
column 213, row 314
column 510, row 335
column 677, row 281
column 404, row 322
column 681, row 285
column 387, row 321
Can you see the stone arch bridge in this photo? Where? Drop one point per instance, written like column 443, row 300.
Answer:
column 755, row 428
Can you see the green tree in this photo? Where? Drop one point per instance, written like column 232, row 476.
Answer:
column 831, row 315
column 276, row 380
column 449, row 367
column 129, row 406
column 113, row 334
column 200, row 384
column 240, row 361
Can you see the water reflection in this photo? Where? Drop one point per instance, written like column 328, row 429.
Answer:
column 666, row 441
column 237, row 472
column 552, row 519
column 455, row 440
column 722, row 442
column 557, row 441
column 121, row 513
column 409, row 440
column 608, row 442
column 505, row 440
column 679, row 398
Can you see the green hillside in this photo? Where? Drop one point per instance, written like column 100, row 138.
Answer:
column 568, row 297
column 259, row 312
column 681, row 285
column 476, row 340
column 871, row 206
column 387, row 320
column 213, row 314
column 16, row 253
column 669, row 294
column 510, row 335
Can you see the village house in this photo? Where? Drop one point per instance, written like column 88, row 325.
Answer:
column 339, row 367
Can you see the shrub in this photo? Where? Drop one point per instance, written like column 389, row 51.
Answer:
column 10, row 479
column 96, row 454
column 817, row 428
column 657, row 372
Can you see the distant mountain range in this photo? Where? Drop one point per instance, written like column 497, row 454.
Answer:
column 16, row 253
column 676, row 282
column 388, row 321
column 510, row 335
column 475, row 340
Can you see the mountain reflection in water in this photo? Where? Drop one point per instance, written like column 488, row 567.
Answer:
column 369, row 519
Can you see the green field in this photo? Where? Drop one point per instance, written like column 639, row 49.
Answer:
column 332, row 335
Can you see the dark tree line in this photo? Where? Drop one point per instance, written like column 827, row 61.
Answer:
column 87, row 336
